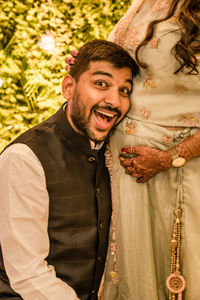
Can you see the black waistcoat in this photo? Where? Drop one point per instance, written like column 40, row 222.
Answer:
column 79, row 204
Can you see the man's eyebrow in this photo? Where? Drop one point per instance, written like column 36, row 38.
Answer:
column 102, row 73
column 130, row 81
column 110, row 75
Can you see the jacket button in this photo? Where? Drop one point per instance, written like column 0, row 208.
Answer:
column 101, row 225
column 98, row 190
column 99, row 259
column 91, row 158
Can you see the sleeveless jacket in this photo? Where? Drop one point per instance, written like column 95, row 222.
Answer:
column 79, row 204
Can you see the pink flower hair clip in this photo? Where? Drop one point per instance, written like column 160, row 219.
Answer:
column 70, row 60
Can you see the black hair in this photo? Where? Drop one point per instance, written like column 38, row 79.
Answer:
column 102, row 50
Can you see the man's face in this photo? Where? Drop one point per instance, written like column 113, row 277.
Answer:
column 100, row 99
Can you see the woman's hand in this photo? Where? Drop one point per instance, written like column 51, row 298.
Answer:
column 148, row 162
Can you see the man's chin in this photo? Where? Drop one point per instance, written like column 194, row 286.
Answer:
column 98, row 138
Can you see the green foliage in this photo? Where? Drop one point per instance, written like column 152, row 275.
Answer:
column 31, row 75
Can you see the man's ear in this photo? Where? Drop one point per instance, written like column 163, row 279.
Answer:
column 68, row 86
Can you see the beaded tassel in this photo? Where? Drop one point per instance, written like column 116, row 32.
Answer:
column 175, row 282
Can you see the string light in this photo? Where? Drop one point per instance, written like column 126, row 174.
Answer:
column 1, row 82
column 47, row 42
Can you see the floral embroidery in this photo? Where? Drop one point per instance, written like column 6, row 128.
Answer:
column 161, row 4
column 120, row 29
column 175, row 17
column 185, row 133
column 130, row 41
column 132, row 37
column 130, row 127
column 149, row 82
column 113, row 250
column 180, row 89
column 189, row 120
column 114, row 276
column 145, row 113
column 154, row 42
column 166, row 139
column 108, row 160
column 113, row 242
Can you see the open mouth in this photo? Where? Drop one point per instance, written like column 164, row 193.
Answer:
column 105, row 115
column 105, row 118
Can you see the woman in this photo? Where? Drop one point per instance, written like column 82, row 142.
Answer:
column 155, row 239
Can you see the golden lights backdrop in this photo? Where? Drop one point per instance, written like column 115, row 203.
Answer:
column 35, row 38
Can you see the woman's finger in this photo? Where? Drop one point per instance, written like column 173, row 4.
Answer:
column 129, row 170
column 126, row 162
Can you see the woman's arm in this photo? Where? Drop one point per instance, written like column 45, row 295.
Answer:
column 150, row 161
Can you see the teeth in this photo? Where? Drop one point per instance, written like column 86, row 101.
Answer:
column 105, row 114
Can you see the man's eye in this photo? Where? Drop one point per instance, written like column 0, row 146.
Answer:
column 101, row 83
column 125, row 91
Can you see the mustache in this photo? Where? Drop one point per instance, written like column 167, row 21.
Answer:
column 107, row 107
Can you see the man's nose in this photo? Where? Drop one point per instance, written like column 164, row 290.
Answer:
column 113, row 99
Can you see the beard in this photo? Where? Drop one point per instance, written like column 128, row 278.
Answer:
column 82, row 121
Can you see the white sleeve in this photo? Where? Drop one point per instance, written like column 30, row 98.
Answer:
column 24, row 208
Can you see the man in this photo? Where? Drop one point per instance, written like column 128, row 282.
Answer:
column 54, row 187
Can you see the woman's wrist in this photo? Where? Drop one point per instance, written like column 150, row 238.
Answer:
column 177, row 159
column 190, row 147
column 187, row 149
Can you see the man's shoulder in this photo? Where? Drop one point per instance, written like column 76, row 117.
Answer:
column 36, row 132
column 19, row 155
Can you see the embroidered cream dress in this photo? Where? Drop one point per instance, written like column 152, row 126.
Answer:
column 139, row 254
